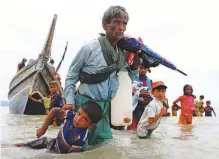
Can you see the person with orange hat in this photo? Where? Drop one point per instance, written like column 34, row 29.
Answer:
column 154, row 111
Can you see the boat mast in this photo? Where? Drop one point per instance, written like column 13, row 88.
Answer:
column 46, row 52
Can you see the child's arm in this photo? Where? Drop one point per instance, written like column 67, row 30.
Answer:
column 151, row 120
column 175, row 103
column 68, row 107
column 35, row 100
column 177, row 100
column 49, row 118
column 214, row 112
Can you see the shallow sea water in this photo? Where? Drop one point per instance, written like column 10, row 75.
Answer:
column 169, row 141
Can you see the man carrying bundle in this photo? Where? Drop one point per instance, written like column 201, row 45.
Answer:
column 96, row 66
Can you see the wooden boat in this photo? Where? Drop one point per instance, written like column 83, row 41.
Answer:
column 33, row 79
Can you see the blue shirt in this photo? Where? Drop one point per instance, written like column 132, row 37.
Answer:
column 209, row 111
column 56, row 101
column 90, row 59
column 70, row 139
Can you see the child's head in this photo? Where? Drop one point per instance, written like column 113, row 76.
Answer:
column 201, row 97
column 175, row 108
column 53, row 87
column 52, row 61
column 208, row 103
column 187, row 89
column 89, row 114
column 24, row 60
column 143, row 70
column 159, row 90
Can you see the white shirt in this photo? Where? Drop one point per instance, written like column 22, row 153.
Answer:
column 151, row 110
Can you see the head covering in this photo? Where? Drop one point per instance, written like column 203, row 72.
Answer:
column 157, row 84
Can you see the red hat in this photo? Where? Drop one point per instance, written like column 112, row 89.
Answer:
column 157, row 84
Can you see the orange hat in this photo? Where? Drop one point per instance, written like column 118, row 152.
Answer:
column 157, row 84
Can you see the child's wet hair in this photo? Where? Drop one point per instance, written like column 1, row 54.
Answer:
column 208, row 102
column 202, row 97
column 93, row 110
column 184, row 89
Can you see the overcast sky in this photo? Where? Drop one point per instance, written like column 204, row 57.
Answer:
column 184, row 31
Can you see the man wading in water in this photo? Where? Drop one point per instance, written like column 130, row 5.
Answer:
column 96, row 66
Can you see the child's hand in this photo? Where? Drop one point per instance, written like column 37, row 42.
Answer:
column 68, row 106
column 145, row 94
column 165, row 104
column 164, row 111
column 175, row 107
column 133, row 90
column 40, row 132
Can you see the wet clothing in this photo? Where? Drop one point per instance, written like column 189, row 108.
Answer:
column 185, row 118
column 139, row 111
column 41, row 143
column 56, row 101
column 208, row 111
column 187, row 108
column 102, row 131
column 90, row 59
column 187, row 103
column 153, row 109
column 68, row 139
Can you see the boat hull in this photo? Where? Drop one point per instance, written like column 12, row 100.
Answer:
column 17, row 103
column 33, row 79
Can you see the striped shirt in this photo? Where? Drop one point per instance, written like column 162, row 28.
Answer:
column 70, row 139
column 56, row 101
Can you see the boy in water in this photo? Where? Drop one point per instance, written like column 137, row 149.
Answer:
column 208, row 109
column 56, row 101
column 73, row 134
column 152, row 114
